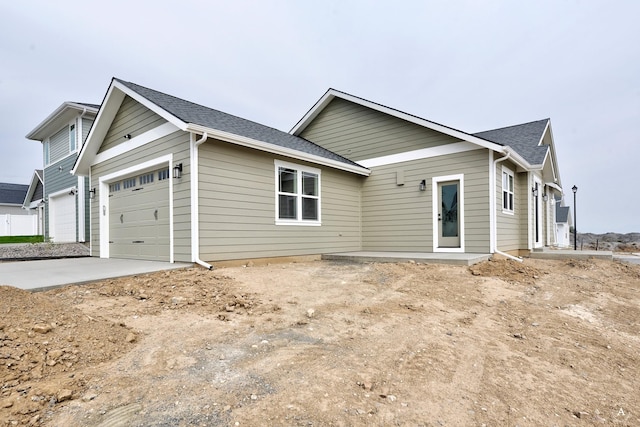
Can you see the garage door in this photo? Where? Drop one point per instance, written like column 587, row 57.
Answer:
column 62, row 218
column 139, row 217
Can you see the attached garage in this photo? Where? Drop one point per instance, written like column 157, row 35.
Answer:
column 139, row 217
column 62, row 214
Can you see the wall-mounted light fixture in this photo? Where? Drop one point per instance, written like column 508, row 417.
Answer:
column 545, row 197
column 534, row 191
column 423, row 185
column 92, row 193
column 127, row 136
column 73, row 191
column 177, row 171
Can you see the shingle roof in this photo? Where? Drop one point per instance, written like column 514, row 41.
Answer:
column 96, row 106
column 13, row 193
column 562, row 213
column 524, row 139
column 190, row 112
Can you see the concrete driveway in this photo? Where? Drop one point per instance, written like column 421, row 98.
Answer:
column 48, row 274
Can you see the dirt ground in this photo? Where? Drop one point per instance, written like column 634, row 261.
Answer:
column 319, row 343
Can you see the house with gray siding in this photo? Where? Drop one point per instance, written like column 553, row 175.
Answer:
column 11, row 198
column 65, row 196
column 176, row 181
column 33, row 202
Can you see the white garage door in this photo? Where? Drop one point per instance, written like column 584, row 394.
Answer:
column 139, row 217
column 62, row 218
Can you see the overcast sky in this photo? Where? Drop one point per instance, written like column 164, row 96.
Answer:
column 472, row 65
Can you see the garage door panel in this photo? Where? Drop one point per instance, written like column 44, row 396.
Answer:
column 62, row 218
column 139, row 221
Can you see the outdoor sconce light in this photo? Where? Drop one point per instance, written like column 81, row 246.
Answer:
column 545, row 197
column 127, row 136
column 92, row 193
column 535, row 192
column 423, row 185
column 177, row 171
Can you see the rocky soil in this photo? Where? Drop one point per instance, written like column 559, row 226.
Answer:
column 319, row 343
column 28, row 251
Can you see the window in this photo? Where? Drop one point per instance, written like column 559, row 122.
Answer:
column 72, row 138
column 129, row 183
column 298, row 194
column 507, row 190
column 163, row 174
column 114, row 187
column 146, row 178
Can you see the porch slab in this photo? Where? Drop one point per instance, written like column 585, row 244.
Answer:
column 418, row 257
column 570, row 254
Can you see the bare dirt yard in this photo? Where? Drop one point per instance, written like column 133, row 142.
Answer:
column 551, row 343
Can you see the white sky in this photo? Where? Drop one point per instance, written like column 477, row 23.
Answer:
column 472, row 65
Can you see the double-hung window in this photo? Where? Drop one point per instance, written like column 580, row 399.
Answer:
column 72, row 138
column 507, row 190
column 297, row 194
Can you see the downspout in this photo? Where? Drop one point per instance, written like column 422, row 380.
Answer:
column 195, row 215
column 494, row 213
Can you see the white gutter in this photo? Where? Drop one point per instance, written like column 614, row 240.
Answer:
column 493, row 213
column 195, row 201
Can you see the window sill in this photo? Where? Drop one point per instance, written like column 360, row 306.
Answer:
column 299, row 223
column 508, row 212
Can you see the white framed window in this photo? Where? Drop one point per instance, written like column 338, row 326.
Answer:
column 507, row 190
column 72, row 138
column 297, row 194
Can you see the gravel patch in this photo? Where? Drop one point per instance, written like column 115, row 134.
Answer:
column 27, row 251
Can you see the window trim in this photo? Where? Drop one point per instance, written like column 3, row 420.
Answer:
column 300, row 169
column 509, row 173
column 73, row 132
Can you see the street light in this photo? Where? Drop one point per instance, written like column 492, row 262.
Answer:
column 575, row 222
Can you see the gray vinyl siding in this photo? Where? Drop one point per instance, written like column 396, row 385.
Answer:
column 59, row 145
column 237, row 208
column 57, row 178
column 132, row 118
column 176, row 143
column 86, row 127
column 359, row 133
column 509, row 227
column 400, row 218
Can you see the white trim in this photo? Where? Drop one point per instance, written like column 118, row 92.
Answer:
column 332, row 93
column 423, row 153
column 103, row 208
column 136, row 142
column 299, row 168
column 60, row 192
column 434, row 206
column 492, row 203
column 276, row 149
column 80, row 209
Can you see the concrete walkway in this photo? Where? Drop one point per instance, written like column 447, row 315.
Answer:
column 48, row 274
column 547, row 253
column 418, row 257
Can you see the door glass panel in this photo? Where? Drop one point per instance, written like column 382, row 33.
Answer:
column 450, row 210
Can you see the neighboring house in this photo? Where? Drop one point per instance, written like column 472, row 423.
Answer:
column 66, row 197
column 563, row 225
column 177, row 181
column 34, row 199
column 14, row 220
column 11, row 198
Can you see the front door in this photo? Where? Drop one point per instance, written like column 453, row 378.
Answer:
column 448, row 214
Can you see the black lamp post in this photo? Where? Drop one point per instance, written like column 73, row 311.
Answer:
column 575, row 223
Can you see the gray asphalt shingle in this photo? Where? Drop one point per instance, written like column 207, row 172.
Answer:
column 190, row 112
column 13, row 193
column 524, row 139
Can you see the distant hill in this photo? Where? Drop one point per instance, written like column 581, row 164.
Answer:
column 629, row 242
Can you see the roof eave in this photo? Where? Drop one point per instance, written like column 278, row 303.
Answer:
column 112, row 100
column 41, row 131
column 275, row 149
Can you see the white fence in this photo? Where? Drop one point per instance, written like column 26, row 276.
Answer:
column 18, row 225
